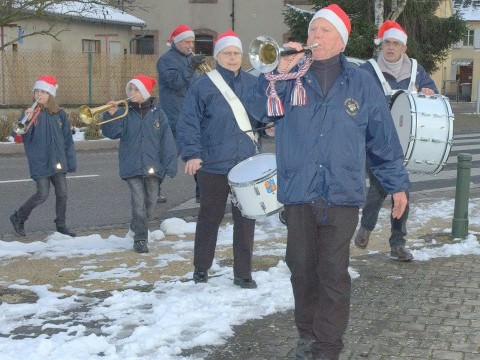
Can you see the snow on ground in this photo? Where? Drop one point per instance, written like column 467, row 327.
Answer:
column 175, row 314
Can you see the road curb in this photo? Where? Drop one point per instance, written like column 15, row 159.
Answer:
column 87, row 145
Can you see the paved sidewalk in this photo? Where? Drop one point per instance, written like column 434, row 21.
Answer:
column 421, row 310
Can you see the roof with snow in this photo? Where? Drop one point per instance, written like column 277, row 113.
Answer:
column 94, row 13
column 468, row 9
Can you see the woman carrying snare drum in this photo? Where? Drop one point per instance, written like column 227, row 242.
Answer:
column 212, row 138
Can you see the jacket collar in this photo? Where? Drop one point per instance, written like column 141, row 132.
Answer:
column 228, row 75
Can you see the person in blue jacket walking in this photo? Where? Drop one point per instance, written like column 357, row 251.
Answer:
column 50, row 151
column 211, row 143
column 393, row 71
column 329, row 120
column 146, row 153
column 177, row 69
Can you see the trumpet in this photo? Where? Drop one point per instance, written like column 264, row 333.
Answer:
column 89, row 115
column 264, row 53
column 20, row 127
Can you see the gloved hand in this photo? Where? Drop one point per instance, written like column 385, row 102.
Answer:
column 196, row 61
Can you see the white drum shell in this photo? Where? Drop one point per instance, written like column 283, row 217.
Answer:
column 424, row 126
column 253, row 183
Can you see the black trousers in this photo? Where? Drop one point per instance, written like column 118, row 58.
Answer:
column 214, row 190
column 318, row 251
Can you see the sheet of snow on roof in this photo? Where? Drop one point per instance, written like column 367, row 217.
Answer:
column 95, row 11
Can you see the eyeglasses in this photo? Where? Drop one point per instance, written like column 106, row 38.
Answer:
column 394, row 44
column 231, row 53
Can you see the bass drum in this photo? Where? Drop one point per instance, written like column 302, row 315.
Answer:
column 424, row 126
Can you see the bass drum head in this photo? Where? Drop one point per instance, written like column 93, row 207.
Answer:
column 401, row 110
column 253, row 169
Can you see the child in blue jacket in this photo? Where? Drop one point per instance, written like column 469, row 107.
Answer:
column 50, row 151
column 147, row 152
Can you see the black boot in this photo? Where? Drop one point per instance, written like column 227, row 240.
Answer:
column 64, row 230
column 18, row 225
column 140, row 246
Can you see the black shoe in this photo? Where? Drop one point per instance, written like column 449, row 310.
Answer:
column 64, row 230
column 362, row 238
column 303, row 350
column 200, row 276
column 161, row 199
column 245, row 283
column 401, row 254
column 18, row 225
column 140, row 246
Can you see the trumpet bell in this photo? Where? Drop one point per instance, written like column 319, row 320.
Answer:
column 264, row 53
column 88, row 115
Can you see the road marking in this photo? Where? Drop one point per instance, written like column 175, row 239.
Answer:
column 68, row 177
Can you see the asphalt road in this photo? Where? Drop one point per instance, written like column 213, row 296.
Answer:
column 99, row 198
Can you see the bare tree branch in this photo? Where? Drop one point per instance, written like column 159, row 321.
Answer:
column 14, row 11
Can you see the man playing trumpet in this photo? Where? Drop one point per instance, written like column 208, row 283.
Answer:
column 176, row 71
column 331, row 119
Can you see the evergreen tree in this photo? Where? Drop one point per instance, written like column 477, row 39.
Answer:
column 429, row 37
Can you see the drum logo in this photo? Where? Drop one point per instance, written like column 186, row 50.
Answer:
column 351, row 106
column 156, row 124
column 270, row 186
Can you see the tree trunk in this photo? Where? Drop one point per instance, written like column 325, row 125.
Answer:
column 397, row 8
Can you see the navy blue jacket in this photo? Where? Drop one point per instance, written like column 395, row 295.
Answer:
column 145, row 142
column 207, row 128
column 48, row 143
column 174, row 78
column 322, row 146
column 422, row 80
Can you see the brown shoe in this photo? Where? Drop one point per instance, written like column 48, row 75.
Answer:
column 362, row 238
column 401, row 254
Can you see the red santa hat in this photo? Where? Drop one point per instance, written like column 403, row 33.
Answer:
column 226, row 39
column 181, row 32
column 47, row 83
column 391, row 30
column 337, row 17
column 144, row 84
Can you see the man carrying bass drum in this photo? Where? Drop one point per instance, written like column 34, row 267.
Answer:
column 394, row 70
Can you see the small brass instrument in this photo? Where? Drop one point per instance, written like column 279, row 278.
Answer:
column 89, row 115
column 264, row 53
column 204, row 67
column 20, row 127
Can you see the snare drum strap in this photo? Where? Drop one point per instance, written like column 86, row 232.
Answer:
column 387, row 90
column 232, row 99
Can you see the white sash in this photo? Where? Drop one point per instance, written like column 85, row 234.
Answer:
column 387, row 90
column 237, row 107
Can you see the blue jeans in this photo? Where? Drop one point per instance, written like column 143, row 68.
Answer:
column 375, row 197
column 59, row 182
column 144, row 193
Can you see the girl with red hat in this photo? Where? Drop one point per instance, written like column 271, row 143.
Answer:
column 50, row 151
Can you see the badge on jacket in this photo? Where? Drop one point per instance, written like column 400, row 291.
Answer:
column 351, row 106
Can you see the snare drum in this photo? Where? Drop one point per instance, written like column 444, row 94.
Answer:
column 424, row 126
column 254, row 186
